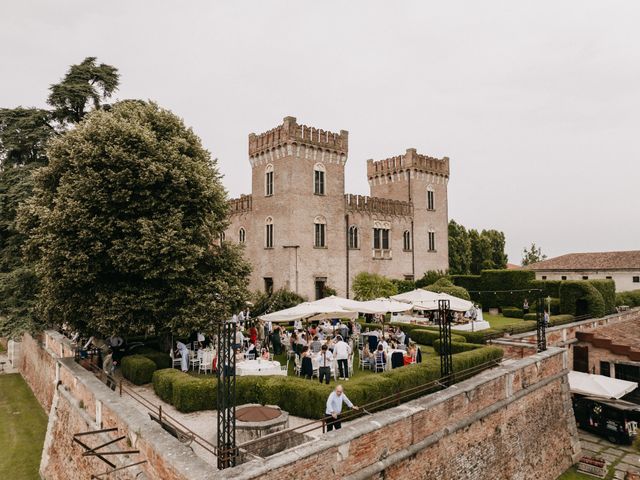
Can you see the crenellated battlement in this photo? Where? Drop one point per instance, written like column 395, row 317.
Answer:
column 385, row 206
column 290, row 133
column 410, row 161
column 240, row 205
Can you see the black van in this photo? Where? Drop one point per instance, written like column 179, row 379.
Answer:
column 616, row 420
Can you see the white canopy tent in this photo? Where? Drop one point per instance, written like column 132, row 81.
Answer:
column 599, row 385
column 383, row 305
column 456, row 304
column 417, row 295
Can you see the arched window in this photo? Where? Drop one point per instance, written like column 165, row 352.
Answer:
column 431, row 205
column 268, row 232
column 242, row 235
column 432, row 240
column 320, row 231
column 353, row 237
column 318, row 179
column 406, row 240
column 268, row 180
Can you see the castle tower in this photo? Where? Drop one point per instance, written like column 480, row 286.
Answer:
column 297, row 189
column 422, row 181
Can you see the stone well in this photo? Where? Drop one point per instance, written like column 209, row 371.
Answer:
column 254, row 421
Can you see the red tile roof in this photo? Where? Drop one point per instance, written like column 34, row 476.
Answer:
column 591, row 261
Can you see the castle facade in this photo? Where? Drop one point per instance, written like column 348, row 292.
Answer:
column 302, row 232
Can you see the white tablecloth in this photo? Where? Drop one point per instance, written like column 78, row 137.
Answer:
column 259, row 367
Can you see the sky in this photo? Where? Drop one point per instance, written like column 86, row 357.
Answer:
column 537, row 104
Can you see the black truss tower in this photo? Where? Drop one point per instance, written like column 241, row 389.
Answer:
column 444, row 325
column 226, row 401
column 541, row 332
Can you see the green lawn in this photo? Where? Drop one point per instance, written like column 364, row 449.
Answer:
column 23, row 425
column 499, row 321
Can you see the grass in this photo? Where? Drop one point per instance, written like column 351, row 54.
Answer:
column 499, row 321
column 23, row 425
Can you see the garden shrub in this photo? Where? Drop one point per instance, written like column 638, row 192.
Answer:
column 456, row 347
column 162, row 360
column 607, row 289
column 163, row 383
column 555, row 320
column 444, row 285
column 473, row 358
column 307, row 398
column 191, row 394
column 404, row 285
column 468, row 282
column 512, row 312
column 427, row 337
column 550, row 288
column 138, row 369
column 630, row 298
column 580, row 298
column 530, row 316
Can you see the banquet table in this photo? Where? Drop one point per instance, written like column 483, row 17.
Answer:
column 259, row 367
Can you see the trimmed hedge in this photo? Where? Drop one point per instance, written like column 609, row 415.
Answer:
column 550, row 288
column 138, row 369
column 306, row 398
column 561, row 319
column 427, row 337
column 468, row 282
column 162, row 360
column 444, row 285
column 508, row 281
column 607, row 289
column 456, row 347
column 512, row 312
column 630, row 298
column 573, row 293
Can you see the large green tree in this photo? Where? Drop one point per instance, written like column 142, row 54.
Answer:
column 24, row 136
column 123, row 226
column 85, row 85
column 459, row 249
column 497, row 241
column 532, row 255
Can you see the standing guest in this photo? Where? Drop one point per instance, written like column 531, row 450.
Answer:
column 260, row 329
column 316, row 345
column 306, row 365
column 297, row 325
column 334, row 408
column 400, row 335
column 239, row 340
column 241, row 316
column 342, row 350
column 546, row 317
column 324, row 362
column 275, row 341
column 525, row 306
column 303, row 340
column 253, row 334
column 182, row 349
column 312, row 330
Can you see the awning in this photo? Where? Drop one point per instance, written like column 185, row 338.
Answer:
column 599, row 385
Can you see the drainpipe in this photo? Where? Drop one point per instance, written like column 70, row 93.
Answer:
column 346, row 221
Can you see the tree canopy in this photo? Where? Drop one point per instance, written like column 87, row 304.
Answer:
column 123, row 225
column 369, row 286
column 85, row 84
column 24, row 133
column 532, row 255
column 471, row 251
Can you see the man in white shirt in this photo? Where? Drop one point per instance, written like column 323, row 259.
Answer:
column 325, row 357
column 334, row 408
column 239, row 340
column 342, row 350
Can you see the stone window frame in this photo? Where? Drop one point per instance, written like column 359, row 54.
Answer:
column 354, row 238
column 431, row 240
column 406, row 241
column 319, row 232
column 268, row 232
column 268, row 180
column 242, row 235
column 319, row 179
column 431, row 200
column 381, row 240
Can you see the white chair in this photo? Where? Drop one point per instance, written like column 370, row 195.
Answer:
column 250, row 356
column 175, row 361
column 380, row 364
column 206, row 362
column 194, row 360
column 285, row 368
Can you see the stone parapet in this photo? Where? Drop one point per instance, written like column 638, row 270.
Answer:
column 411, row 161
column 385, row 206
column 240, row 205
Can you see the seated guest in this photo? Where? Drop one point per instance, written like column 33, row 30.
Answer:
column 316, row 345
column 381, row 359
column 400, row 335
column 306, row 365
column 303, row 340
column 383, row 343
column 264, row 354
column 372, row 340
column 367, row 357
column 312, row 331
column 239, row 355
column 251, row 350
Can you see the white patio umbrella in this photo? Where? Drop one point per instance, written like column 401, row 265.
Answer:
column 308, row 311
column 455, row 304
column 384, row 305
column 340, row 302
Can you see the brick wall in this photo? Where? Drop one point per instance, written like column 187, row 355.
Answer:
column 515, row 421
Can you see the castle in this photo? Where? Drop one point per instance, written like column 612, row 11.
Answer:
column 302, row 232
